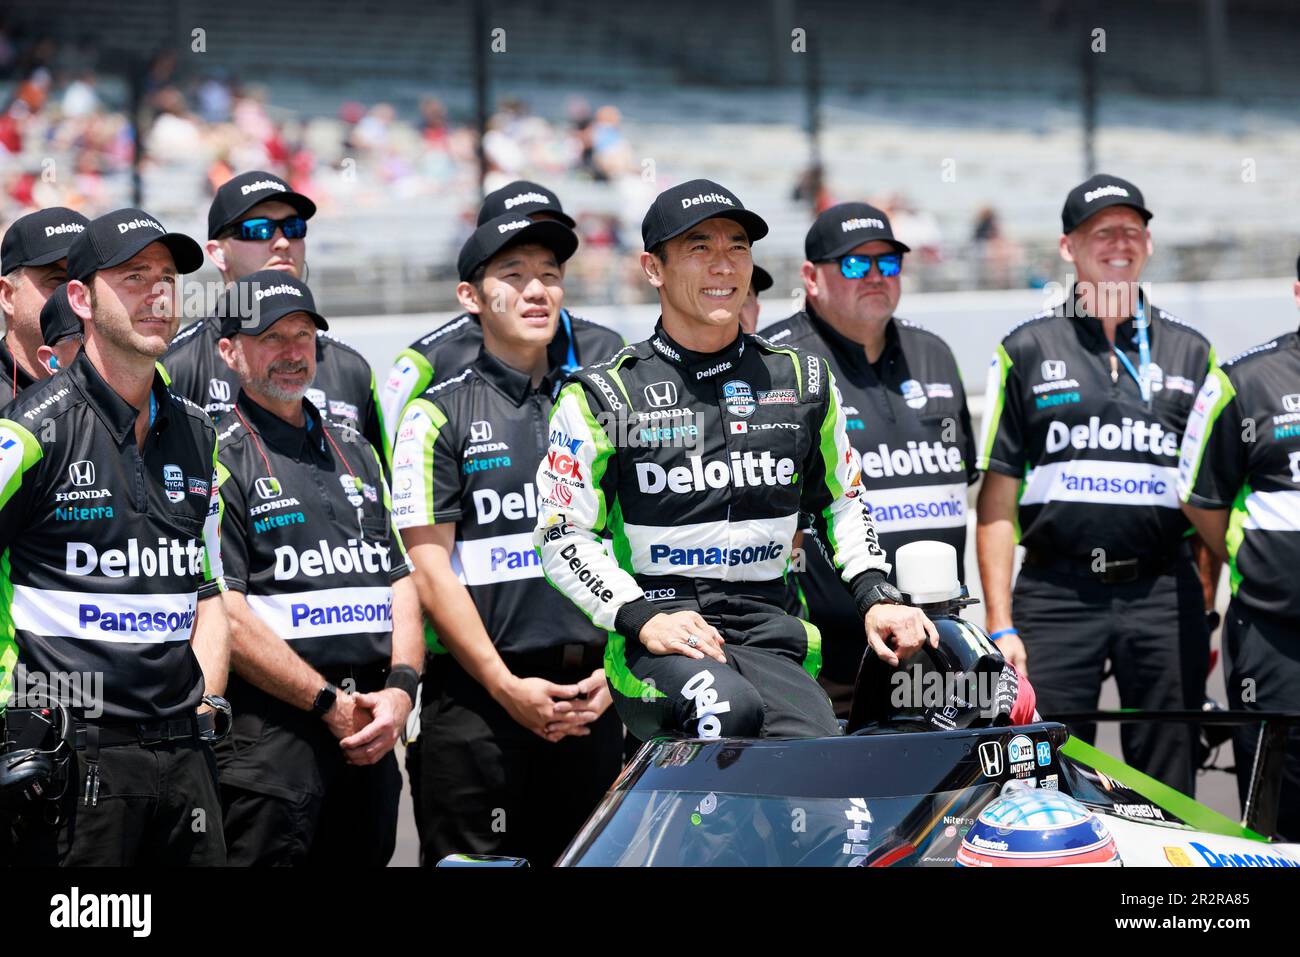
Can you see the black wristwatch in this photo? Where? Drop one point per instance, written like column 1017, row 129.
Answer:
column 882, row 594
column 324, row 700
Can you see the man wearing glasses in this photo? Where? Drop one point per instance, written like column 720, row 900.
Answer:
column 257, row 222
column 904, row 407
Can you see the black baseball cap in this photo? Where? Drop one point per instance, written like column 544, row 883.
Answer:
column 115, row 237
column 1095, row 194
column 58, row 321
column 846, row 226
column 241, row 193
column 677, row 209
column 522, row 198
column 256, row 302
column 40, row 238
column 761, row 280
column 513, row 229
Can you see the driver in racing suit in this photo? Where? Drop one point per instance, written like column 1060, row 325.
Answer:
column 697, row 450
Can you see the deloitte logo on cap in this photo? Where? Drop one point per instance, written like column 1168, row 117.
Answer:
column 261, row 294
column 851, row 224
column 262, row 184
column 513, row 225
column 514, row 201
column 139, row 224
column 1089, row 196
column 703, row 198
column 64, row 228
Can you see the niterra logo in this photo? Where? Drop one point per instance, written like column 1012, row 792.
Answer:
column 703, row 198
column 514, row 201
column 744, row 469
column 260, row 185
column 849, row 225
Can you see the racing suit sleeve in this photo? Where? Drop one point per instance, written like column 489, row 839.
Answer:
column 232, row 512
column 429, row 485
column 832, row 496
column 577, row 482
column 213, row 582
column 1002, row 439
column 410, row 375
column 1212, row 464
column 19, row 454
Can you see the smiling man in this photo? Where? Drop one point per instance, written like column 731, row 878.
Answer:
column 703, row 529
column 1085, row 407
column 517, row 741
column 904, row 407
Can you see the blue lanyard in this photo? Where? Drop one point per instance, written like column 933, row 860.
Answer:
column 1141, row 375
column 153, row 408
column 571, row 363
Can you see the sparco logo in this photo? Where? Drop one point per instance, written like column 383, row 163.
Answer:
column 82, row 473
column 514, row 201
column 514, row 224
column 991, row 759
column 607, row 391
column 262, row 184
column 1089, row 196
column 703, row 198
column 661, row 394
column 851, row 224
column 63, row 228
column 281, row 290
column 139, row 224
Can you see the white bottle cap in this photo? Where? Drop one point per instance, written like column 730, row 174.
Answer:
column 927, row 572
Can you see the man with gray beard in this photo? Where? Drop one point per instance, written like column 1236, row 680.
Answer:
column 326, row 643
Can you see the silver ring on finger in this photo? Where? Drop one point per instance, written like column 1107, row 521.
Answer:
column 692, row 641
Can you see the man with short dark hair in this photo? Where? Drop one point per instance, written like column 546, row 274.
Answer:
column 761, row 282
column 256, row 221
column 61, row 330
column 698, row 449
column 325, row 622
column 33, row 263
column 108, row 526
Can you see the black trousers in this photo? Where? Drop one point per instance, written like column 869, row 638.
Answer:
column 1152, row 632
column 484, row 784
column 1262, row 663
column 157, row 807
column 289, row 797
column 767, row 688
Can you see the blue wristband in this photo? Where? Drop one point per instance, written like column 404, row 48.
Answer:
column 1003, row 633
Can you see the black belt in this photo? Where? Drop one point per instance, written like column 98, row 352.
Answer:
column 570, row 657
column 121, row 733
column 1119, row 572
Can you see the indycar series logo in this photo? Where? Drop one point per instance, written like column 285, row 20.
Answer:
column 738, row 398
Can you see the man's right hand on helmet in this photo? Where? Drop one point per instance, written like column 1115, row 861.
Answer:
column 671, row 634
column 907, row 629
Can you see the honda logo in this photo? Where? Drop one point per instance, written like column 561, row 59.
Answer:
column 660, row 395
column 991, row 759
column 268, row 487
column 480, row 431
column 1053, row 369
column 82, row 473
column 219, row 390
column 1291, row 402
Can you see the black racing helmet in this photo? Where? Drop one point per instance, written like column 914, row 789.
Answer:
column 963, row 683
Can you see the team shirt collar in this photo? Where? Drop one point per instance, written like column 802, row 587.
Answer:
column 12, row 367
column 849, row 352
column 299, row 441
column 514, row 385
column 115, row 412
column 1093, row 331
column 676, row 353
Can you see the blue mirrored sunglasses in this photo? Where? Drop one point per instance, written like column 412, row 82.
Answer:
column 857, row 266
column 261, row 229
